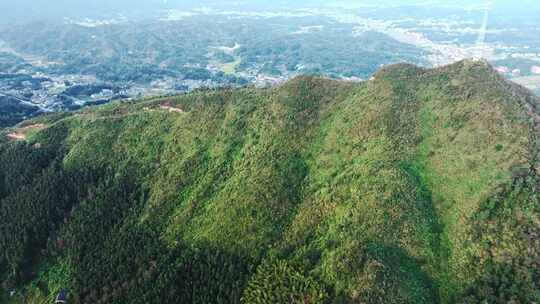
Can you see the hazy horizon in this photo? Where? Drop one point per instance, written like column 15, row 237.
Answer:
column 37, row 10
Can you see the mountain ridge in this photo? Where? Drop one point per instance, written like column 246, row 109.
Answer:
column 417, row 186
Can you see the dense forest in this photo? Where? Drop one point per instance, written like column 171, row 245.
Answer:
column 418, row 186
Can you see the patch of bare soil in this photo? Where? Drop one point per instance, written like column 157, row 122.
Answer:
column 168, row 107
column 21, row 133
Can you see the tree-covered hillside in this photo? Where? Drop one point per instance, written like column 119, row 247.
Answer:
column 12, row 111
column 418, row 186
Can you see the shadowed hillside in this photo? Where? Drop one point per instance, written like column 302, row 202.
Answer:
column 419, row 186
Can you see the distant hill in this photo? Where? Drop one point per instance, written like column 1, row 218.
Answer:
column 61, row 65
column 418, row 186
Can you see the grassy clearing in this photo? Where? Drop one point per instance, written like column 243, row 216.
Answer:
column 230, row 67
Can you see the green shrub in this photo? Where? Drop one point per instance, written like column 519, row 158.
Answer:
column 278, row 282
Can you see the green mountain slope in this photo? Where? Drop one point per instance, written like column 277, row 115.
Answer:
column 419, row 186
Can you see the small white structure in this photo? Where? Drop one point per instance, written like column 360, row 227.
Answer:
column 62, row 297
column 502, row 69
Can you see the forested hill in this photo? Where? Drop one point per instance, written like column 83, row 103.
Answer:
column 418, row 186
